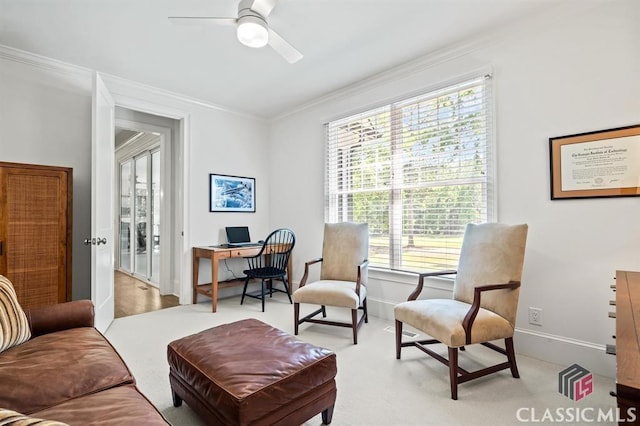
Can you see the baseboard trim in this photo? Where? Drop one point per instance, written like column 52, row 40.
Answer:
column 562, row 339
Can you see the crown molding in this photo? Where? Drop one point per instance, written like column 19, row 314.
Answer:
column 527, row 25
column 119, row 84
column 125, row 87
column 43, row 62
column 399, row 71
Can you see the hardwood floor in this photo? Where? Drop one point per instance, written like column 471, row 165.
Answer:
column 133, row 297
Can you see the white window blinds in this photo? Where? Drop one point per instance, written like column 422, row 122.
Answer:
column 417, row 171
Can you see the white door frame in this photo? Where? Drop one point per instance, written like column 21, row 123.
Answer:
column 123, row 95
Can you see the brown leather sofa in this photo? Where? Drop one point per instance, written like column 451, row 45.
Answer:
column 68, row 372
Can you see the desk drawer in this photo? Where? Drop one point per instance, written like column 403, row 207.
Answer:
column 244, row 252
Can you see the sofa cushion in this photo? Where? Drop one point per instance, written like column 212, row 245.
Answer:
column 122, row 405
column 10, row 417
column 14, row 327
column 56, row 367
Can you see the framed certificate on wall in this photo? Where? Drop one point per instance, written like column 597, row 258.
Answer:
column 605, row 163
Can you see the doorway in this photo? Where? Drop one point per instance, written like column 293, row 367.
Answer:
column 111, row 110
column 144, row 212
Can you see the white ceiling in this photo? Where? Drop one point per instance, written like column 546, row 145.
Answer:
column 343, row 42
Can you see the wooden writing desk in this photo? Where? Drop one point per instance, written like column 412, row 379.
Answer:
column 215, row 254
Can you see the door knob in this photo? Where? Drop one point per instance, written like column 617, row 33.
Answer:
column 95, row 241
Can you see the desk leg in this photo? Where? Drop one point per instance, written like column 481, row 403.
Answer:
column 214, row 284
column 195, row 263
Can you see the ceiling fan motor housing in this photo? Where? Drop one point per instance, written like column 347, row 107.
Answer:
column 252, row 27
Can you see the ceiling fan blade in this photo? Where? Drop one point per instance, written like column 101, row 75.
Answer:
column 263, row 7
column 201, row 20
column 286, row 50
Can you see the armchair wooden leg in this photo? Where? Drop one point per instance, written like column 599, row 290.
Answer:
column 324, row 311
column 262, row 294
column 453, row 372
column 511, row 355
column 364, row 308
column 354, row 322
column 398, row 338
column 296, row 315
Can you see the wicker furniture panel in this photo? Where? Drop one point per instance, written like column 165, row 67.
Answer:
column 35, row 232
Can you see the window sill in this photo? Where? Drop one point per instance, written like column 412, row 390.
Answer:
column 408, row 278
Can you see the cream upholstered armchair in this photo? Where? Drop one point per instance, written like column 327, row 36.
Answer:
column 484, row 303
column 343, row 276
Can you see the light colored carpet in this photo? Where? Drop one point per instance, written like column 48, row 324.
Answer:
column 373, row 387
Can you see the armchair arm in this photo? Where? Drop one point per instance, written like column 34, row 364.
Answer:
column 475, row 306
column 364, row 264
column 63, row 316
column 303, row 281
column 421, row 277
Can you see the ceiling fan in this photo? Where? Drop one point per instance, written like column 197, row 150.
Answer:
column 251, row 27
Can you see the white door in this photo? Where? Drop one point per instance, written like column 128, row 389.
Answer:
column 102, row 181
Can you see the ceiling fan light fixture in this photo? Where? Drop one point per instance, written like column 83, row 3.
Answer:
column 252, row 31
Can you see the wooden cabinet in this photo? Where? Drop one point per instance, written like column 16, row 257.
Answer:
column 627, row 347
column 35, row 231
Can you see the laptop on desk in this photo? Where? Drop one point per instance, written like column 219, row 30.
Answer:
column 238, row 236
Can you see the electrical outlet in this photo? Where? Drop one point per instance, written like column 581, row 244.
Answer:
column 535, row 316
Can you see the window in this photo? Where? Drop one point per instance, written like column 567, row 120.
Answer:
column 417, row 171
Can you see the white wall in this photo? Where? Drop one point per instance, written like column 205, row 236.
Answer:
column 45, row 118
column 233, row 145
column 571, row 72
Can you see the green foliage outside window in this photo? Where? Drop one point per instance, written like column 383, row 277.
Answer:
column 417, row 172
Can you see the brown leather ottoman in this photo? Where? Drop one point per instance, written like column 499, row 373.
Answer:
column 248, row 372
